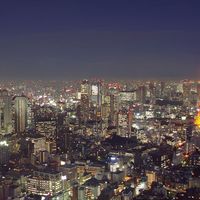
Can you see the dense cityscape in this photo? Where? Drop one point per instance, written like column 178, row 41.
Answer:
column 100, row 139
column 100, row 100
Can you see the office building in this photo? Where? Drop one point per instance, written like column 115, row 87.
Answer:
column 20, row 113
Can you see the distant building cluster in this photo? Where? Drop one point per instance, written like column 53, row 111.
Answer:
column 100, row 140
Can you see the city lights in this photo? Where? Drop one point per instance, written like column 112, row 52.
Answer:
column 100, row 100
column 3, row 143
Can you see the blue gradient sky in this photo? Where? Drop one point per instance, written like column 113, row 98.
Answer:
column 48, row 39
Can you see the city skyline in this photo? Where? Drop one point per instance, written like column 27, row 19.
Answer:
column 100, row 100
column 112, row 40
column 101, row 140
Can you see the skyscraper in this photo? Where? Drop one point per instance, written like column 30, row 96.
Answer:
column 141, row 94
column 21, row 113
column 85, row 107
column 85, row 87
column 6, row 112
column 96, row 93
column 4, row 152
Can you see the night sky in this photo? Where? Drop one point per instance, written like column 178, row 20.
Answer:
column 71, row 39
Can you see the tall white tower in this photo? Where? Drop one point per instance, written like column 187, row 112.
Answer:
column 21, row 113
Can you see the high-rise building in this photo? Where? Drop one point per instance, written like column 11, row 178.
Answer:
column 21, row 113
column 141, row 94
column 85, row 87
column 123, row 122
column 96, row 94
column 4, row 152
column 6, row 112
column 105, row 109
column 188, row 136
column 198, row 91
column 46, row 128
column 186, row 90
column 84, row 107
